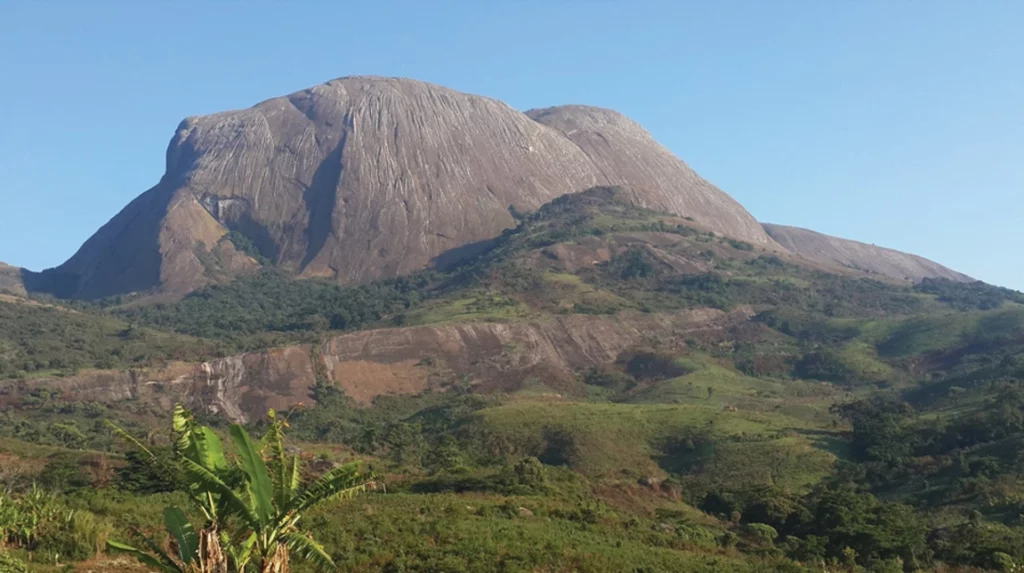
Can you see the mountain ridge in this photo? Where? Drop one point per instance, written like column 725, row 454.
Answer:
column 368, row 177
column 861, row 256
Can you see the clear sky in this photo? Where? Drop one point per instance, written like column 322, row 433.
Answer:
column 895, row 122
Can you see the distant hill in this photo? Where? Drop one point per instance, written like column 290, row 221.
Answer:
column 861, row 256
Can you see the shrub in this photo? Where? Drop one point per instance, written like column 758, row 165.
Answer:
column 529, row 473
column 11, row 564
column 1003, row 562
column 78, row 537
column 762, row 532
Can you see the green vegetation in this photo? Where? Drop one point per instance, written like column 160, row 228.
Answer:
column 250, row 509
column 969, row 296
column 38, row 339
column 271, row 301
column 828, row 422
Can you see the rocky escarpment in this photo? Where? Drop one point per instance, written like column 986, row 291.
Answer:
column 366, row 364
column 364, row 177
column 10, row 281
column 861, row 256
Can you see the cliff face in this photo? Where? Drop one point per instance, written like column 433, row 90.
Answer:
column 369, row 363
column 362, row 178
column 861, row 256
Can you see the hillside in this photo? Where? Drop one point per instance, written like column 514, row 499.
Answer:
column 599, row 386
column 363, row 178
column 580, row 283
column 861, row 256
column 10, row 281
column 40, row 340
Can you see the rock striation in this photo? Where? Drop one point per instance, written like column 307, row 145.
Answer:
column 368, row 177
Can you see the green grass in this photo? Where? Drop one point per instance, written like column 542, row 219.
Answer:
column 469, row 307
column 421, row 533
column 629, row 440
column 792, row 462
column 927, row 334
column 728, row 388
column 568, row 291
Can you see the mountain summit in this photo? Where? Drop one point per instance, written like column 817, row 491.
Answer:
column 366, row 177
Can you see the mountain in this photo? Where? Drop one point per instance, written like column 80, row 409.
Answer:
column 366, row 177
column 861, row 256
column 583, row 281
column 10, row 280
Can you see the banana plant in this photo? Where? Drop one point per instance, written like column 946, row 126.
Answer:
column 187, row 557
column 271, row 499
column 254, row 504
column 199, row 445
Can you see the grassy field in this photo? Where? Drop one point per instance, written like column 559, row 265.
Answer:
column 491, row 533
column 476, row 306
column 629, row 441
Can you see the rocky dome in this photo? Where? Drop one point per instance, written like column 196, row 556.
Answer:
column 366, row 177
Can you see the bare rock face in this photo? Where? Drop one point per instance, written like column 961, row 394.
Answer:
column 861, row 256
column 370, row 363
column 10, row 281
column 362, row 178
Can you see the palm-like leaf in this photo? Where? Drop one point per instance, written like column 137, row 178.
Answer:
column 253, row 502
column 182, row 424
column 308, row 549
column 131, row 439
column 240, row 552
column 339, row 483
column 184, row 534
column 158, row 551
column 294, row 480
column 277, row 462
column 261, row 491
column 207, row 448
column 144, row 558
column 212, row 483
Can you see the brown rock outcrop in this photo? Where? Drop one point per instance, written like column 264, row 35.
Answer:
column 369, row 363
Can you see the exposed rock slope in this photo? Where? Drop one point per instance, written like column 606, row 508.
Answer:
column 857, row 255
column 10, row 280
column 364, row 177
column 396, row 361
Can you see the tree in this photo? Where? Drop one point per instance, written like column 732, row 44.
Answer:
column 251, row 503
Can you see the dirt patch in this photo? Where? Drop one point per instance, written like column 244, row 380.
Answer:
column 364, row 380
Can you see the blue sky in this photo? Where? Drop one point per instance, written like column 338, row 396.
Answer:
column 899, row 123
